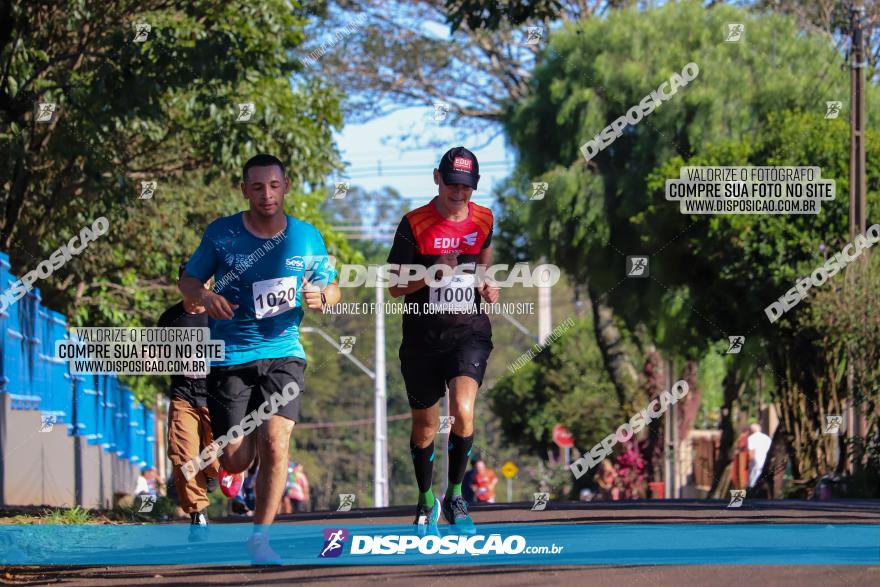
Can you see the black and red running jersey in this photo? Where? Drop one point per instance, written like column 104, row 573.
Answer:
column 442, row 313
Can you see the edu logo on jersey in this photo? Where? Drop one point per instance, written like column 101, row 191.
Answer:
column 448, row 242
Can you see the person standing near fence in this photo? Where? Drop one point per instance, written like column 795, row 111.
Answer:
column 189, row 425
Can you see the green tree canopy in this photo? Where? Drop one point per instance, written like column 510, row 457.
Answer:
column 164, row 109
column 757, row 102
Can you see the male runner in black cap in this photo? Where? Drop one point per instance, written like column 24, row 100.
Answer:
column 448, row 340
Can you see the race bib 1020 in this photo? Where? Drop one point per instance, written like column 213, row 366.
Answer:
column 274, row 296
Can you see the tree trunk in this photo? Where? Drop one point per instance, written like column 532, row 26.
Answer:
column 617, row 363
column 651, row 447
column 733, row 388
column 804, row 397
column 689, row 406
column 14, row 201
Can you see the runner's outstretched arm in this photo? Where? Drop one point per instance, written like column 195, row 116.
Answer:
column 449, row 259
column 489, row 291
column 401, row 290
column 312, row 295
column 194, row 291
column 191, row 288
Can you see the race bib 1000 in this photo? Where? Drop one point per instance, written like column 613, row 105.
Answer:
column 274, row 296
column 458, row 296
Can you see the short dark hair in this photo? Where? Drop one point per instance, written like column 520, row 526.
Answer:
column 262, row 160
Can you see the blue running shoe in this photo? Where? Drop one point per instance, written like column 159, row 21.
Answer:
column 427, row 518
column 455, row 510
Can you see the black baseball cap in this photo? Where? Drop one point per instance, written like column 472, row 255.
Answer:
column 459, row 165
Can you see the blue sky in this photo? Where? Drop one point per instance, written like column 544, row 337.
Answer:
column 406, row 167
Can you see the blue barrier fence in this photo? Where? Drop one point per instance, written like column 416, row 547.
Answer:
column 98, row 408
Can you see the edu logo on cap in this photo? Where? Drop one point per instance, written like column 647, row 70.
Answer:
column 460, row 166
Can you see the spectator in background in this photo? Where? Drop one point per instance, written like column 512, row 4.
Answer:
column 297, row 488
column 606, row 480
column 739, row 473
column 286, row 506
column 484, row 484
column 467, row 490
column 759, row 446
column 147, row 482
column 244, row 501
column 249, row 487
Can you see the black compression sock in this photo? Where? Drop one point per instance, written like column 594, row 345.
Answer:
column 459, row 453
column 423, row 463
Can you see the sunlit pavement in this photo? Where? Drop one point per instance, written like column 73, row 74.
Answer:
column 643, row 512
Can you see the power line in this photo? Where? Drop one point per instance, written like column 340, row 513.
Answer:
column 474, row 198
column 405, row 166
column 350, row 227
column 412, row 169
column 350, row 423
column 369, row 237
column 422, row 173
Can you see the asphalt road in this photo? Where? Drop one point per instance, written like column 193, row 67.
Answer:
column 646, row 512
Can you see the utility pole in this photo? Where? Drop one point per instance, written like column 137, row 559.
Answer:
column 380, row 426
column 545, row 317
column 857, row 205
column 857, row 186
column 78, row 444
column 670, row 434
column 380, row 456
column 161, row 417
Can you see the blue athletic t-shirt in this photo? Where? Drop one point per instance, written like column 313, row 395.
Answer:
column 261, row 275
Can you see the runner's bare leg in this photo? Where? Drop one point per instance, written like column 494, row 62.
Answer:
column 273, row 444
column 425, row 424
column 238, row 457
column 462, row 395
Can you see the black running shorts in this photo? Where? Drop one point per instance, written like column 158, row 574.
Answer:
column 427, row 371
column 234, row 391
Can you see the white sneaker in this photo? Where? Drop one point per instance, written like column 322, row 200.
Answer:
column 198, row 528
column 260, row 551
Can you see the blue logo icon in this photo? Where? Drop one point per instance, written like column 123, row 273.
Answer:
column 295, row 263
column 334, row 541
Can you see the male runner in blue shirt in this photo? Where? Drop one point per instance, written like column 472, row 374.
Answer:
column 267, row 266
